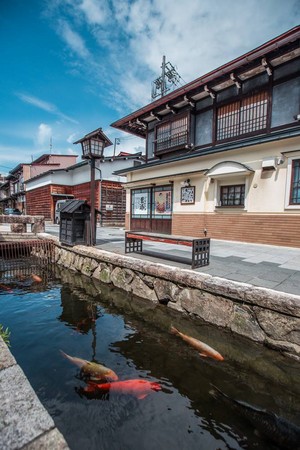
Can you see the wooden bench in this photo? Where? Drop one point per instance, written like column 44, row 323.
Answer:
column 200, row 246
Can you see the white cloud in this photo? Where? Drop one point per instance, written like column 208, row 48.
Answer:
column 46, row 106
column 195, row 35
column 37, row 102
column 44, row 135
column 72, row 138
column 95, row 11
column 73, row 39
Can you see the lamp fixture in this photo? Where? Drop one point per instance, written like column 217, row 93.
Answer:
column 186, row 183
column 93, row 144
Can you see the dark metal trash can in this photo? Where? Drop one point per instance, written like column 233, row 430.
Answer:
column 74, row 226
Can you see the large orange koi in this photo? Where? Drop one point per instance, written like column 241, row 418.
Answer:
column 93, row 370
column 203, row 349
column 36, row 278
column 137, row 388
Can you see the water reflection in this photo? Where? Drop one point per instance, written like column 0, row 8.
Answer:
column 250, row 371
column 131, row 336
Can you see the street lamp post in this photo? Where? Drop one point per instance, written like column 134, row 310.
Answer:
column 93, row 145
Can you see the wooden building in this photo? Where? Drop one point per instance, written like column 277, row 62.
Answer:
column 44, row 190
column 12, row 193
column 223, row 152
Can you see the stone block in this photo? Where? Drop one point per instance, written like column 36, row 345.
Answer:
column 244, row 323
column 22, row 416
column 52, row 440
column 38, row 225
column 122, row 278
column 140, row 289
column 18, row 227
column 290, row 349
column 213, row 309
column 102, row 273
column 88, row 266
column 275, row 300
column 278, row 326
column 7, row 358
column 166, row 291
column 226, row 288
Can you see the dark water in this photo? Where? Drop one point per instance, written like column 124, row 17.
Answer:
column 130, row 336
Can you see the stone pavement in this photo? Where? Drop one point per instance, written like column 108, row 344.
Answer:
column 260, row 265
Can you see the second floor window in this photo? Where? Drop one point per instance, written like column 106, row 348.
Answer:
column 244, row 116
column 171, row 134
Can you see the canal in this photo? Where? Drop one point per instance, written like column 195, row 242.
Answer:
column 200, row 403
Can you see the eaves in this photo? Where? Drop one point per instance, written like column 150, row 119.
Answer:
column 257, row 140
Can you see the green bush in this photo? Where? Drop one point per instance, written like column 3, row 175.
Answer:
column 5, row 334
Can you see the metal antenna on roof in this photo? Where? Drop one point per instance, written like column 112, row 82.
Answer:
column 168, row 80
column 50, row 145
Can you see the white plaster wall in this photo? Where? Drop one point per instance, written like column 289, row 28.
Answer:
column 265, row 190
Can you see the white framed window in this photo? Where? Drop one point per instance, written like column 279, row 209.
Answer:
column 231, row 193
column 292, row 191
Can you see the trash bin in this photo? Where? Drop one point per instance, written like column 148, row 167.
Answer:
column 74, row 226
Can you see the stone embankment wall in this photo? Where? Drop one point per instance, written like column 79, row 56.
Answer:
column 266, row 316
column 25, row 423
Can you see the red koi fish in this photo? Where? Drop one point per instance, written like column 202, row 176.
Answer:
column 203, row 349
column 137, row 388
column 36, row 278
column 5, row 288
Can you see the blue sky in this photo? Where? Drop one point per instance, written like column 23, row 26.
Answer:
column 71, row 66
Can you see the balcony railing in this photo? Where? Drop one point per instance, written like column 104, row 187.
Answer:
column 169, row 142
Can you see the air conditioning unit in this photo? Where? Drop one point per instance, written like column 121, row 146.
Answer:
column 269, row 163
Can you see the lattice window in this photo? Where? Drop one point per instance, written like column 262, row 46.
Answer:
column 232, row 195
column 295, row 183
column 172, row 134
column 242, row 117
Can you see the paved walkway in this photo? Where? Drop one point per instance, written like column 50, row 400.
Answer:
column 260, row 265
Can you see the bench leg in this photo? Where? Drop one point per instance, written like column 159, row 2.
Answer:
column 200, row 255
column 133, row 245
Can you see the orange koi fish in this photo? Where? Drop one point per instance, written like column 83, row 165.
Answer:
column 137, row 388
column 36, row 278
column 203, row 349
column 93, row 370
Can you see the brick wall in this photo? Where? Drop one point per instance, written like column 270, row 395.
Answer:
column 273, row 229
column 83, row 192
column 59, row 189
column 112, row 194
column 39, row 202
